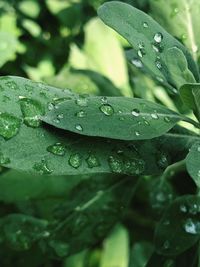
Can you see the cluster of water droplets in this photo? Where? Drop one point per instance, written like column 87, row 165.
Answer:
column 9, row 125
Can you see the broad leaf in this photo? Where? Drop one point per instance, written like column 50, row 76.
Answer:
column 179, row 228
column 113, row 117
column 89, row 213
column 145, row 35
column 193, row 163
column 36, row 148
column 181, row 19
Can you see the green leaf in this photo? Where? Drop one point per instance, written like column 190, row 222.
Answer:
column 118, row 240
column 41, row 149
column 145, row 35
column 19, row 186
column 179, row 228
column 118, row 117
column 193, row 163
column 20, row 232
column 190, row 94
column 178, row 67
column 89, row 213
column 181, row 19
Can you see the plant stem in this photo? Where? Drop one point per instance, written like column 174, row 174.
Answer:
column 174, row 168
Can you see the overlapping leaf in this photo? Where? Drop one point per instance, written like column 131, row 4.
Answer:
column 113, row 117
column 193, row 163
column 146, row 36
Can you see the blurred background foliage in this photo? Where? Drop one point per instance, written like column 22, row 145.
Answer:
column 63, row 43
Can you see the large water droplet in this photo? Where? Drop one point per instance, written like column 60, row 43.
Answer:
column 92, row 161
column 107, row 109
column 116, row 165
column 9, row 125
column 75, row 160
column 192, row 227
column 32, row 110
column 57, row 149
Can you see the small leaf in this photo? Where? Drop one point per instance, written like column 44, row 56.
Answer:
column 179, row 228
column 193, row 163
column 117, row 117
column 190, row 94
column 178, row 67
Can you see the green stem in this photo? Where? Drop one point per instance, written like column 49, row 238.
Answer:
column 195, row 123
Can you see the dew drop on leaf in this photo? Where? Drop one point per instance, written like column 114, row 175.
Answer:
column 75, row 160
column 31, row 110
column 92, row 161
column 79, row 128
column 9, row 125
column 145, row 25
column 141, row 52
column 42, row 167
column 169, row 263
column 154, row 116
column 81, row 114
column 158, row 37
column 137, row 63
column 57, row 149
column 183, row 208
column 116, row 165
column 135, row 112
column 82, row 101
column 192, row 227
column 137, row 133
column 158, row 64
column 4, row 160
column 107, row 109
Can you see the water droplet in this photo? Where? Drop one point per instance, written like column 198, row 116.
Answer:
column 82, row 101
column 137, row 133
column 79, row 128
column 9, row 125
column 12, row 85
column 158, row 64
column 42, row 167
column 145, row 25
column 183, row 208
column 75, row 160
column 154, row 116
column 104, row 99
column 4, row 160
column 92, row 161
column 198, row 148
column 135, row 112
column 81, row 114
column 107, row 109
column 158, row 37
column 167, row 119
column 116, row 164
column 32, row 110
column 141, row 52
column 163, row 160
column 137, row 63
column 166, row 244
column 60, row 116
column 192, row 227
column 141, row 45
column 57, row 149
